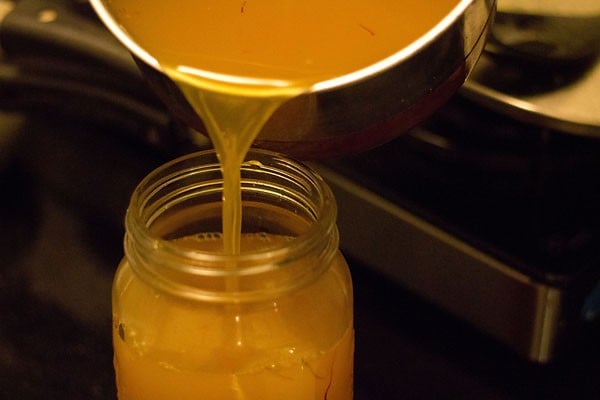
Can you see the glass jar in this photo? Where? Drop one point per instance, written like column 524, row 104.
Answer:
column 274, row 322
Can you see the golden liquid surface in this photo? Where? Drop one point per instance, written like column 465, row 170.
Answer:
column 299, row 41
column 299, row 346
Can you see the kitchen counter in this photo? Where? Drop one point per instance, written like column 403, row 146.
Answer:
column 65, row 190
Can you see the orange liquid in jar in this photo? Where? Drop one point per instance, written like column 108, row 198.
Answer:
column 298, row 347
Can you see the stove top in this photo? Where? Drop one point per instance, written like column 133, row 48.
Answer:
column 490, row 211
column 530, row 195
column 490, row 208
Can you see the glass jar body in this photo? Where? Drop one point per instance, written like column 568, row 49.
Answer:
column 273, row 322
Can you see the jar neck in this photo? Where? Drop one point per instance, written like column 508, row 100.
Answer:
column 175, row 216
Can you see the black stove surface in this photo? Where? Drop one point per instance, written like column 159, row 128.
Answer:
column 527, row 195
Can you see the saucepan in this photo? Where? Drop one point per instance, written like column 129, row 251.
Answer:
column 367, row 110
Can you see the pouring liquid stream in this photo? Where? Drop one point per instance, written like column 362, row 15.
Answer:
column 237, row 61
column 233, row 122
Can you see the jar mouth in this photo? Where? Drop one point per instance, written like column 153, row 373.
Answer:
column 158, row 214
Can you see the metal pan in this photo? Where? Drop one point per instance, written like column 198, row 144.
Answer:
column 373, row 107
